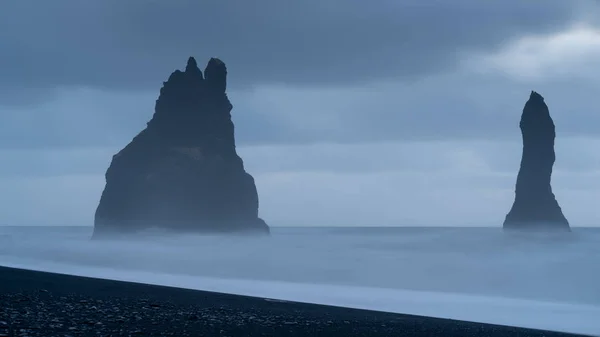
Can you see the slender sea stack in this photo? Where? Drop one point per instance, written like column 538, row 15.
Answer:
column 182, row 171
column 535, row 206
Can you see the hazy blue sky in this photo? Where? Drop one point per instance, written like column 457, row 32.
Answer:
column 348, row 112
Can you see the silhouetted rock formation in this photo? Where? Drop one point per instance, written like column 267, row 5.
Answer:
column 535, row 206
column 182, row 172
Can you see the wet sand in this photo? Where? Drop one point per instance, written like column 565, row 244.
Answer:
column 36, row 303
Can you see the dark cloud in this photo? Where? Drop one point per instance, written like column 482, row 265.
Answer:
column 137, row 43
column 114, row 55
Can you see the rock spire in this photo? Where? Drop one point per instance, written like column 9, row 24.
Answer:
column 535, row 206
column 182, row 172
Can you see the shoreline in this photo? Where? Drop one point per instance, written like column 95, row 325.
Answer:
column 38, row 303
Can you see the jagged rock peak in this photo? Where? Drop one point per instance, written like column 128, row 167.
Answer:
column 192, row 69
column 536, row 112
column 216, row 63
column 216, row 74
column 191, row 64
column 536, row 96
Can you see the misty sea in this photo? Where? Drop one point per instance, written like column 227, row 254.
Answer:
column 478, row 274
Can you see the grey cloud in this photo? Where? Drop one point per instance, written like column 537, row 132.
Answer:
column 495, row 159
column 76, row 119
column 354, row 158
column 44, row 163
column 86, row 118
column 68, row 183
column 136, row 44
column 103, row 48
column 50, row 200
column 455, row 106
column 574, row 156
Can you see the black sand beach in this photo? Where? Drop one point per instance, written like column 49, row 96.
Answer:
column 45, row 304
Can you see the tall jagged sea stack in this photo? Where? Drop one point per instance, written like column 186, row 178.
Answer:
column 535, row 206
column 182, row 172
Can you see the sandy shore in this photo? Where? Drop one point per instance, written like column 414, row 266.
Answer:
column 46, row 304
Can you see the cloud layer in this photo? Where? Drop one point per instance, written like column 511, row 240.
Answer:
column 459, row 183
column 346, row 112
column 134, row 44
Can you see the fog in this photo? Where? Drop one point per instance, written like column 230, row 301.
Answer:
column 479, row 274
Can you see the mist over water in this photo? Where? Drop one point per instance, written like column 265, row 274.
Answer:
column 466, row 273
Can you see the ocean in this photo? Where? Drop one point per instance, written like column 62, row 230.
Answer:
column 478, row 274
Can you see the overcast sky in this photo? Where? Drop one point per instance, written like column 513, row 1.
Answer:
column 347, row 112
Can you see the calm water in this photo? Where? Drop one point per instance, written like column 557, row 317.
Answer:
column 459, row 260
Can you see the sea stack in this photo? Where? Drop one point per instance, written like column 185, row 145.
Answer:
column 182, row 172
column 535, row 206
